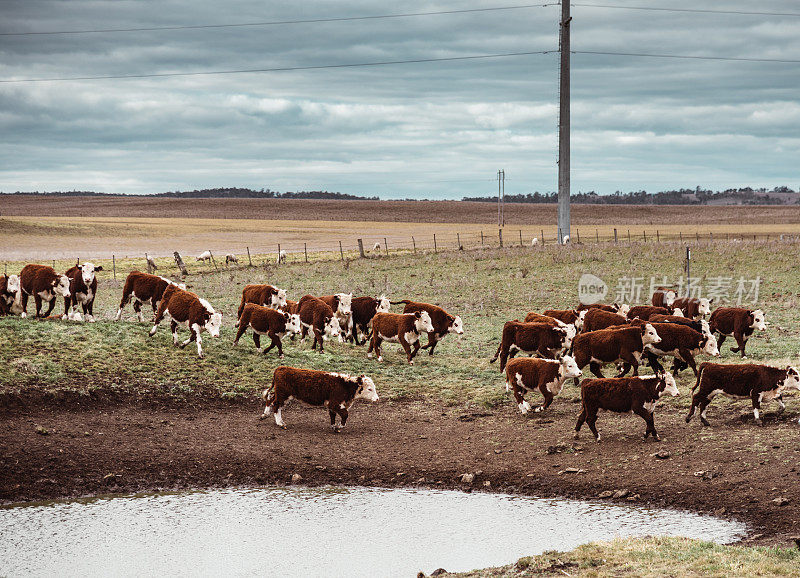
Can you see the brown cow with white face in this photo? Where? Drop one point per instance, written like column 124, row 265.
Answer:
column 568, row 316
column 678, row 341
column 644, row 312
column 443, row 323
column 738, row 322
column 692, row 307
column 189, row 310
column 341, row 303
column 317, row 315
column 613, row 345
column 44, row 284
column 542, row 338
column 363, row 309
column 267, row 321
column 525, row 374
column 83, row 290
column 143, row 287
column 335, row 391
column 265, row 295
column 759, row 383
column 10, row 294
column 663, row 297
column 402, row 328
column 601, row 319
column 624, row 395
column 622, row 309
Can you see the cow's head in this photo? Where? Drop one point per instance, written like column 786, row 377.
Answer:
column 332, row 327
column 792, row 379
column 565, row 335
column 669, row 298
column 579, row 319
column 88, row 271
column 622, row 309
column 757, row 320
column 366, row 388
column 345, row 303
column 214, row 323
column 568, row 367
column 649, row 334
column 384, row 305
column 666, row 384
column 292, row 322
column 709, row 345
column 456, row 325
column 705, row 328
column 278, row 298
column 677, row 312
column 12, row 284
column 61, row 286
column 703, row 307
column 422, row 322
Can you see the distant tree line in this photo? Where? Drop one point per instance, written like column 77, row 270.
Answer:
column 226, row 193
column 697, row 196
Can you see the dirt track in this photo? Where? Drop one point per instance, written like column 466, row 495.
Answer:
column 112, row 447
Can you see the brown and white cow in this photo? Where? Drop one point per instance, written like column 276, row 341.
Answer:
column 82, row 290
column 738, row 322
column 638, row 395
column 318, row 316
column 534, row 317
column 692, row 307
column 600, row 319
column 613, row 308
column 142, row 287
column 645, row 311
column 44, row 284
column 700, row 325
column 267, row 321
column 402, row 328
column 663, row 297
column 265, row 295
column 363, row 309
column 189, row 310
column 542, row 338
column 335, row 391
column 10, row 294
column 443, row 322
column 568, row 316
column 760, row 383
column 613, row 345
column 525, row 374
column 341, row 303
column 290, row 307
column 680, row 342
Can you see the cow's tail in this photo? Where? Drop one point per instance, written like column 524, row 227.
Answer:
column 241, row 308
column 699, row 375
column 403, row 302
column 497, row 353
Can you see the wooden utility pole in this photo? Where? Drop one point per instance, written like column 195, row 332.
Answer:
column 501, row 194
column 563, row 127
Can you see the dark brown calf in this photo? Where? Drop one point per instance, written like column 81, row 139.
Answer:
column 265, row 295
column 693, row 308
column 542, row 338
column 143, row 287
column 363, row 309
column 82, row 289
column 443, row 322
column 613, row 308
column 290, row 307
column 613, row 345
column 645, row 311
column 187, row 309
column 736, row 321
column 318, row 316
column 623, row 395
column 567, row 316
column 600, row 319
column 402, row 328
column 678, row 341
column 336, row 391
column 758, row 382
column 44, row 284
column 267, row 321
column 525, row 374
column 663, row 297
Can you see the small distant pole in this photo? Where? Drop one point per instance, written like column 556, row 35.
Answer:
column 305, row 251
column 54, row 261
column 711, row 237
column 697, row 236
column 629, row 236
column 341, row 251
column 578, row 233
column 249, row 260
column 5, row 268
column 500, row 235
column 658, row 239
column 435, row 249
column 615, row 235
column 279, row 253
column 386, row 246
column 644, row 235
column 361, row 248
column 78, row 262
column 688, row 271
column 114, row 266
column 680, row 236
column 596, row 236
column 520, row 237
column 481, row 238
column 542, row 236
column 458, row 239
column 213, row 261
column 414, row 244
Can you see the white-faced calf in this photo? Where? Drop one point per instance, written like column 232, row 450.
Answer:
column 759, row 383
column 82, row 290
column 143, row 287
column 623, row 395
column 265, row 295
column 187, row 309
column 542, row 338
column 678, row 341
column 601, row 319
column 692, row 307
column 335, row 391
column 318, row 316
column 443, row 323
column 363, row 309
column 44, row 284
column 402, row 328
column 613, row 345
column 738, row 322
column 267, row 321
column 568, row 316
column 526, row 374
column 10, row 294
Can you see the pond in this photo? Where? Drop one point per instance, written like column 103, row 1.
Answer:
column 328, row 531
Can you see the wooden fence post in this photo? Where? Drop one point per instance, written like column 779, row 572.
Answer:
column 481, row 238
column 54, row 261
column 386, row 246
column 249, row 260
column 114, row 266
column 697, row 236
column 458, row 239
column 341, row 251
column 279, row 253
column 520, row 237
column 500, row 235
column 644, row 235
column 414, row 244
column 680, row 236
column 711, row 236
column 305, row 251
column 596, row 236
column 179, row 262
column 658, row 239
column 615, row 235
column 578, row 233
column 213, row 261
column 435, row 249
column 629, row 236
column 361, row 248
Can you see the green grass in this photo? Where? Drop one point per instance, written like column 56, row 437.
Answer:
column 485, row 287
column 653, row 557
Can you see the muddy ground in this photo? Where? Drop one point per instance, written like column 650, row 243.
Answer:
column 53, row 450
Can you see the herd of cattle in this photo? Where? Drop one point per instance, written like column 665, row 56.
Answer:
column 561, row 343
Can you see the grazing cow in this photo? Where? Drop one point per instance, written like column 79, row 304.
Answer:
column 9, row 294
column 542, row 338
column 692, row 307
column 568, row 316
column 266, row 321
column 82, row 289
column 738, row 322
column 151, row 263
column 281, row 257
column 335, row 391
column 144, row 287
column 402, row 328
column 204, row 256
column 758, row 382
column 535, row 242
column 187, row 309
column 265, row 295
column 376, row 246
column 363, row 309
column 601, row 319
column 624, row 395
column 231, row 258
column 663, row 297
column 318, row 316
column 443, row 323
column 613, row 345
column 679, row 341
column 614, row 308
column 525, row 374
column 644, row 312
column 44, row 284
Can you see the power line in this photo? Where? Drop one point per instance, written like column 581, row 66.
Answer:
column 281, row 22
column 279, row 69
column 688, row 57
column 690, row 10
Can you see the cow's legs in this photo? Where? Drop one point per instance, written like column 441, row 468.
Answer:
column 591, row 420
column 648, row 418
column 702, row 404
column 407, row 348
column 173, row 327
column 50, row 306
column 757, row 408
column 88, row 311
column 720, row 340
column 332, row 415
column 37, row 301
column 342, row 411
column 781, row 405
column 623, row 369
column 375, row 346
column 256, row 339
column 579, row 424
column 652, row 359
column 594, row 367
column 432, row 344
column 548, row 399
column 67, row 304
column 741, row 342
column 318, row 338
column 137, row 307
column 688, row 358
column 416, row 347
column 240, row 331
column 24, row 304
column 276, row 341
column 524, row 406
column 631, row 359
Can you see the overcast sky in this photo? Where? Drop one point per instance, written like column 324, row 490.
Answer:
column 426, row 130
